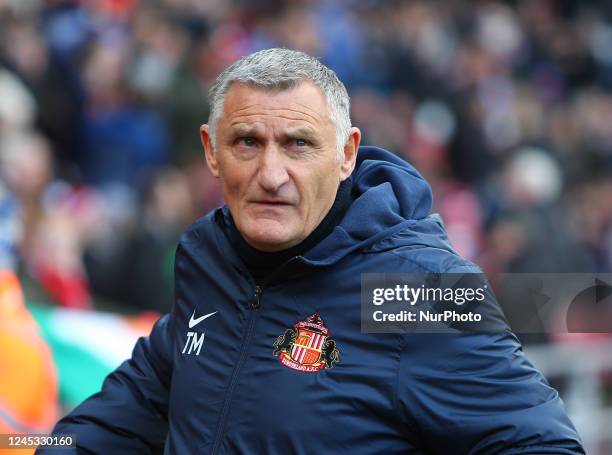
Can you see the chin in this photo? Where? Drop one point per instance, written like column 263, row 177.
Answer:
column 269, row 236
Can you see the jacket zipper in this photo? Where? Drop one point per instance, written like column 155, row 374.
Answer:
column 255, row 304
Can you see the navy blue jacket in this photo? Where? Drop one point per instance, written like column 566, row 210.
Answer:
column 221, row 373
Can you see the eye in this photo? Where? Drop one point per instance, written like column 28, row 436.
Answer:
column 301, row 142
column 247, row 141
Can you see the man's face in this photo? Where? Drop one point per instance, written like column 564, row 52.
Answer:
column 277, row 160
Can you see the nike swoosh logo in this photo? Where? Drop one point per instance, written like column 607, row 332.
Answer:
column 195, row 321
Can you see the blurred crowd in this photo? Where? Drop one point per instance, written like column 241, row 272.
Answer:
column 504, row 106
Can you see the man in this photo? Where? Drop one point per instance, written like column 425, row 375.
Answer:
column 263, row 352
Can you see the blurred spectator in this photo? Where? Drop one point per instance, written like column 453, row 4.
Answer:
column 18, row 107
column 503, row 106
column 26, row 166
column 150, row 256
column 10, row 229
column 122, row 138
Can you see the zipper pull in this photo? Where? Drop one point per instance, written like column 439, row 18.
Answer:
column 257, row 294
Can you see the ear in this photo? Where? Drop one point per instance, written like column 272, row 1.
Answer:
column 350, row 153
column 209, row 150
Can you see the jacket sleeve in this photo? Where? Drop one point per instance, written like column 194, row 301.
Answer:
column 129, row 414
column 477, row 393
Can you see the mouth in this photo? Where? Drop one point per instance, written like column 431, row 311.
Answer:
column 272, row 203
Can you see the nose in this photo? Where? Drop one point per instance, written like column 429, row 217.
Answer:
column 272, row 173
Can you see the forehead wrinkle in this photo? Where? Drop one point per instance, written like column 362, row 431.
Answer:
column 244, row 121
column 317, row 112
column 313, row 114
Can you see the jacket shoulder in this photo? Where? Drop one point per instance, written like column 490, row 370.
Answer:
column 431, row 259
column 199, row 229
column 424, row 244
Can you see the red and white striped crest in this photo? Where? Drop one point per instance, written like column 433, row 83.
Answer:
column 307, row 348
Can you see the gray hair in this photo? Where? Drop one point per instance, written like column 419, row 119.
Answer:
column 282, row 69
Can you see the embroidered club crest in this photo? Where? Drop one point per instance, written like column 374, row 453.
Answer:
column 307, row 346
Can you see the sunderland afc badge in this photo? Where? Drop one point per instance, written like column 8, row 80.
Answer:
column 307, row 346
